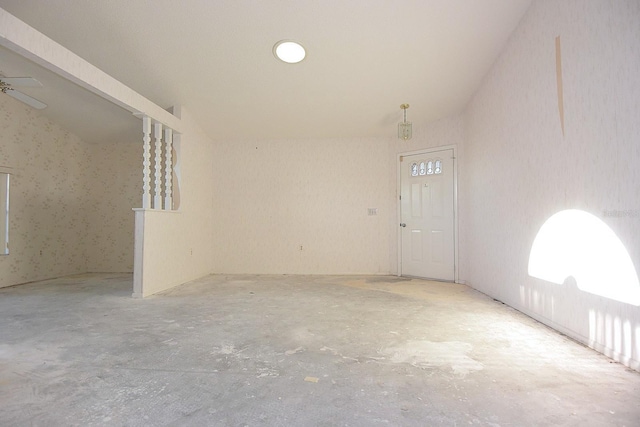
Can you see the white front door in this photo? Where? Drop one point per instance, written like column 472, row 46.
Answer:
column 427, row 215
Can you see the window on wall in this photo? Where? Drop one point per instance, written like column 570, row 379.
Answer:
column 4, row 213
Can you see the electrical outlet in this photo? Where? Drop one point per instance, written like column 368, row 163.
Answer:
column 372, row 211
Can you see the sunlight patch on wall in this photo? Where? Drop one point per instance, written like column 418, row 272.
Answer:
column 574, row 243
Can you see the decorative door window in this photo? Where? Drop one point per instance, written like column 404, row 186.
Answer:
column 438, row 166
column 423, row 168
column 430, row 167
column 426, row 167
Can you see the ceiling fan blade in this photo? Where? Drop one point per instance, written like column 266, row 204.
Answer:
column 21, row 81
column 32, row 102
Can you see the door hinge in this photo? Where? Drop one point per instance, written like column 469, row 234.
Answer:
column 400, row 197
column 401, row 158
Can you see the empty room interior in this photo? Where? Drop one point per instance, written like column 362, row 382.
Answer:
column 428, row 215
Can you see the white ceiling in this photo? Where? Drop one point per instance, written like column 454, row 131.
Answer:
column 214, row 57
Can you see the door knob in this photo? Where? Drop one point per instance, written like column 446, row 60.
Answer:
column 402, row 224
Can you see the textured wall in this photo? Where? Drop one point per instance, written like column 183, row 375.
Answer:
column 48, row 194
column 271, row 197
column 116, row 174
column 520, row 169
column 70, row 202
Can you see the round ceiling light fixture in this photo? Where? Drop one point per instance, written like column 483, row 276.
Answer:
column 289, row 51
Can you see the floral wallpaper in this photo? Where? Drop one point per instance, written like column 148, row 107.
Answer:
column 117, row 177
column 301, row 206
column 63, row 219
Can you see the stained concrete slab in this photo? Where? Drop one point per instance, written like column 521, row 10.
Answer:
column 294, row 350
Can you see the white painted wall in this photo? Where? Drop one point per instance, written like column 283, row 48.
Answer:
column 520, row 169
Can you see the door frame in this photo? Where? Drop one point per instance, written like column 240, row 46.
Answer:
column 455, row 202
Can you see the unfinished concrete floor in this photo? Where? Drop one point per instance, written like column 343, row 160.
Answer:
column 293, row 351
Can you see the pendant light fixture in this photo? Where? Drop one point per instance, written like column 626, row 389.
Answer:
column 404, row 128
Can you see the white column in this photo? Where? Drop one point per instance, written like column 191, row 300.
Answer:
column 157, row 133
column 138, row 253
column 168, row 168
column 146, row 163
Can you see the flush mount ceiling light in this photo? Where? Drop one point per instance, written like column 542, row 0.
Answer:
column 289, row 51
column 404, row 128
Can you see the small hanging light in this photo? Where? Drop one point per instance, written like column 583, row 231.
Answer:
column 404, row 128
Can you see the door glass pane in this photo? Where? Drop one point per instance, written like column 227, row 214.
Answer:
column 430, row 167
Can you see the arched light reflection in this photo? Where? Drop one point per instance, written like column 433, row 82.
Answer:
column 578, row 244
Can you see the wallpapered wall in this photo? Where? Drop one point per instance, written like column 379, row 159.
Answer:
column 271, row 197
column 520, row 169
column 63, row 218
column 117, row 176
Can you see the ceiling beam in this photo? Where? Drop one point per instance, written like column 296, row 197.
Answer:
column 26, row 41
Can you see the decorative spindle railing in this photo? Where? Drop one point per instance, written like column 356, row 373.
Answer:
column 168, row 168
column 146, row 163
column 162, row 152
column 157, row 134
